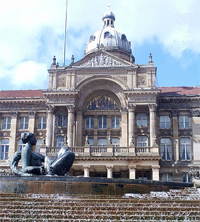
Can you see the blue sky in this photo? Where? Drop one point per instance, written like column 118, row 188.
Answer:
column 32, row 33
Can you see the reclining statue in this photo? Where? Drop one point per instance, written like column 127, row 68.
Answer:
column 32, row 161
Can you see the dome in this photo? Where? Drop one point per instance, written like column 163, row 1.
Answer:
column 108, row 37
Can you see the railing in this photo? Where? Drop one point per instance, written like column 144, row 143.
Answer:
column 109, row 151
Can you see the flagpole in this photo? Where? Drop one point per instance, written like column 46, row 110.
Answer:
column 64, row 46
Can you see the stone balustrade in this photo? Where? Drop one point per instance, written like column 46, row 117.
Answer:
column 110, row 151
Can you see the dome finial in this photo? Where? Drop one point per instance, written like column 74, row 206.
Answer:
column 108, row 6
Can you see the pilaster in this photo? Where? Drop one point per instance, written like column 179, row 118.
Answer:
column 152, row 110
column 13, row 134
column 49, row 131
column 131, row 123
column 124, row 126
column 31, row 124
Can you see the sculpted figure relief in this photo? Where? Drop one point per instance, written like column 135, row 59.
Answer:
column 32, row 162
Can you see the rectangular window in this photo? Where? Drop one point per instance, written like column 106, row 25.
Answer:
column 23, row 124
column 102, row 142
column 186, row 178
column 184, row 122
column 62, row 120
column 91, row 142
column 141, row 119
column 115, row 122
column 167, row 177
column 115, row 142
column 165, row 122
column 89, row 122
column 6, row 123
column 42, row 122
column 60, row 141
column 102, row 122
column 4, row 149
column 142, row 141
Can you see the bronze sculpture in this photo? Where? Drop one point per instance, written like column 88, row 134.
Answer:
column 32, row 162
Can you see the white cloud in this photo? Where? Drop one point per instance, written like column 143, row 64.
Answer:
column 33, row 30
column 29, row 74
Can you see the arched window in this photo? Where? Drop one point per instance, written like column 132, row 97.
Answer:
column 166, row 150
column 185, row 149
column 4, row 149
column 142, row 141
column 20, row 145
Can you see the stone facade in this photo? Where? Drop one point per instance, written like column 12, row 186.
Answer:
column 111, row 114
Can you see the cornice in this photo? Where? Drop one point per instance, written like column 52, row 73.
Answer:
column 54, row 92
column 140, row 91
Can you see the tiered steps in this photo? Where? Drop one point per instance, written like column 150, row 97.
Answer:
column 176, row 205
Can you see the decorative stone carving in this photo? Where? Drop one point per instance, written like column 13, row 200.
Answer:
column 5, row 134
column 141, row 80
column 61, row 81
column 123, row 78
column 89, row 132
column 174, row 112
column 116, row 132
column 80, row 79
column 102, row 133
column 102, row 103
column 195, row 112
column 102, row 60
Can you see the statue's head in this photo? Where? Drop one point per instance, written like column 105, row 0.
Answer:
column 28, row 137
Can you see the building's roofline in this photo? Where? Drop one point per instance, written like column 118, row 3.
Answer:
column 18, row 94
column 180, row 91
column 165, row 91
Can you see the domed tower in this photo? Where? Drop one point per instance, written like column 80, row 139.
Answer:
column 110, row 39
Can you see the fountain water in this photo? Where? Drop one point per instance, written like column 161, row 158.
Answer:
column 175, row 205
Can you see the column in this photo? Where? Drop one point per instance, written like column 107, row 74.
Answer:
column 109, row 172
column 70, row 126
column 155, row 173
column 13, row 134
column 132, row 172
column 86, row 171
column 124, row 126
column 49, row 132
column 152, row 110
column 31, row 123
column 131, row 123
column 79, row 128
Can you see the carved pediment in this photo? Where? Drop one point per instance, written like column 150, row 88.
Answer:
column 102, row 61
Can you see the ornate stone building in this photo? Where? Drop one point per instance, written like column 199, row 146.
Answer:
column 114, row 118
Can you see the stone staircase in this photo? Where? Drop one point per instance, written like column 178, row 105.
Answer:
column 175, row 205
